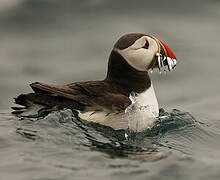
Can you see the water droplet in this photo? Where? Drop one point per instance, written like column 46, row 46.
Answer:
column 126, row 136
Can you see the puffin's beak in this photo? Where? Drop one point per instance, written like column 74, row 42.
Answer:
column 164, row 57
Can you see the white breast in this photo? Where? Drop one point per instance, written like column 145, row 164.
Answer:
column 139, row 116
column 148, row 98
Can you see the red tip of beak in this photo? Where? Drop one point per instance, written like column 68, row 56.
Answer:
column 169, row 52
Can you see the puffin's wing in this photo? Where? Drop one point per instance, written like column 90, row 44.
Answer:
column 64, row 91
column 95, row 95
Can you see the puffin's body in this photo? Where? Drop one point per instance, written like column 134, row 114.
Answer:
column 124, row 99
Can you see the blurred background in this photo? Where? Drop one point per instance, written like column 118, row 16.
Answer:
column 60, row 42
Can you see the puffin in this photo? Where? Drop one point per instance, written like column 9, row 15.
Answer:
column 124, row 100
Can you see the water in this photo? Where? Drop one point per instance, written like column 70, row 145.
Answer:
column 59, row 146
column 65, row 41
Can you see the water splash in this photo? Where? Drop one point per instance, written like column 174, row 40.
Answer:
column 138, row 116
column 132, row 97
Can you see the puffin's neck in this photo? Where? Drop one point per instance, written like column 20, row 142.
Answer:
column 121, row 72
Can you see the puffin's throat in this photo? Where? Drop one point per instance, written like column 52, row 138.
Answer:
column 121, row 72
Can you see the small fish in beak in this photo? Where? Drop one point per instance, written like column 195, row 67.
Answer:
column 164, row 57
column 163, row 61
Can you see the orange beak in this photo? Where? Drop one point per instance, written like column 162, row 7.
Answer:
column 168, row 51
column 164, row 56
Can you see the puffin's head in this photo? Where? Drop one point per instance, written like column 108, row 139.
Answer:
column 144, row 52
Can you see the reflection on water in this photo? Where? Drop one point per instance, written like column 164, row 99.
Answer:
column 65, row 41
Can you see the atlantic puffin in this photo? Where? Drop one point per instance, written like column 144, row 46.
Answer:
column 125, row 99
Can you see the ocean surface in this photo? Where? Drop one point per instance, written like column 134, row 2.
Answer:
column 65, row 41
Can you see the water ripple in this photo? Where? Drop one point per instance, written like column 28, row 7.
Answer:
column 154, row 144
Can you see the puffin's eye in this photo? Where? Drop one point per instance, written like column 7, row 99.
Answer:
column 146, row 45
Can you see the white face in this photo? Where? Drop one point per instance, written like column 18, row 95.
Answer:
column 138, row 56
